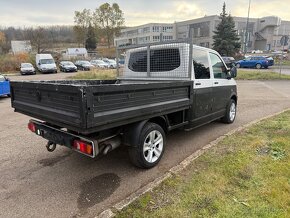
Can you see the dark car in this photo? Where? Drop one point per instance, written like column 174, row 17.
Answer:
column 229, row 61
column 253, row 62
column 84, row 65
column 67, row 66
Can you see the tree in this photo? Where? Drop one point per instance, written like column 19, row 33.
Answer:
column 91, row 39
column 109, row 19
column 82, row 21
column 3, row 43
column 38, row 38
column 226, row 40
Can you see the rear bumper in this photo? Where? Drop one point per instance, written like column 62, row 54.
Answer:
column 61, row 137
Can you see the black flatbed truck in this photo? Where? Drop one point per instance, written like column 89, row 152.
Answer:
column 96, row 116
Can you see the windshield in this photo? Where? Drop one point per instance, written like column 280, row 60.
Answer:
column 26, row 65
column 46, row 61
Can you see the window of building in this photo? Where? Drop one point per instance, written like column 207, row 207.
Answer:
column 201, row 64
column 156, row 29
column 167, row 38
column 219, row 69
column 167, row 29
column 161, row 60
column 156, row 38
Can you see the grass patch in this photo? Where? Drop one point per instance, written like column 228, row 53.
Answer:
column 245, row 175
column 260, row 75
column 95, row 74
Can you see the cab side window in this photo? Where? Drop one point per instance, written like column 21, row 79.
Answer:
column 2, row 78
column 200, row 64
column 218, row 67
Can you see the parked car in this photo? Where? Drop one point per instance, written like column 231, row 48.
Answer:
column 270, row 60
column 111, row 63
column 27, row 68
column 99, row 63
column 253, row 62
column 138, row 109
column 84, row 65
column 229, row 61
column 67, row 66
column 4, row 86
column 45, row 63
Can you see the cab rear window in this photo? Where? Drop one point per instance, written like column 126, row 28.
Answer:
column 160, row 60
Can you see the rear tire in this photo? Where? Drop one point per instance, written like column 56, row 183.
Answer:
column 231, row 112
column 150, row 148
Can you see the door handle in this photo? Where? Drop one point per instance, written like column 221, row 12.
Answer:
column 216, row 83
column 197, row 84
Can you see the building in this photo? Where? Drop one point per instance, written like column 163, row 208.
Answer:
column 21, row 47
column 76, row 52
column 152, row 32
column 263, row 33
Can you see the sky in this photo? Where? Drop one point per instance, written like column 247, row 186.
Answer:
column 24, row 13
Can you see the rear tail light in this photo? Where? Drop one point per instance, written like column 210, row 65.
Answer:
column 31, row 127
column 83, row 147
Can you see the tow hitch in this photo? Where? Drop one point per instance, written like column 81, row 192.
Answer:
column 50, row 146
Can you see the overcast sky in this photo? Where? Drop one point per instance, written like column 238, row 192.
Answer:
column 21, row 13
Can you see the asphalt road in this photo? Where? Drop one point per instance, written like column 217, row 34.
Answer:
column 36, row 183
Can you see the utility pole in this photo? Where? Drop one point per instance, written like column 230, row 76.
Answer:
column 247, row 33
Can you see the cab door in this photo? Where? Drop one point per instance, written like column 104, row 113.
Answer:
column 223, row 86
column 202, row 108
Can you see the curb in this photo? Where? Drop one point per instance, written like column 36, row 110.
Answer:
column 176, row 169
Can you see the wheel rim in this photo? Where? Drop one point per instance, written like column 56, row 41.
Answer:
column 238, row 65
column 258, row 66
column 232, row 111
column 153, row 146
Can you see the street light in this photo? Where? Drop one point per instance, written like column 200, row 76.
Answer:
column 247, row 26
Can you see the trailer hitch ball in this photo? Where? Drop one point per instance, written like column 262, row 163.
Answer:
column 50, row 146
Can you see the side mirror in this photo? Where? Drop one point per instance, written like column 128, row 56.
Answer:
column 233, row 72
column 7, row 79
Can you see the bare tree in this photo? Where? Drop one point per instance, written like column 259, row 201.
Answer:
column 38, row 38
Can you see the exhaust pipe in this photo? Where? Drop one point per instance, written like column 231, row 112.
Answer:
column 111, row 144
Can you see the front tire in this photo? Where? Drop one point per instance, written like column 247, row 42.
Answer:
column 150, row 148
column 231, row 112
column 258, row 66
column 238, row 66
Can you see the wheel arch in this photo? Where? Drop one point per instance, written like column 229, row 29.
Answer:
column 131, row 132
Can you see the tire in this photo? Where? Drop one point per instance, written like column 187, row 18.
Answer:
column 258, row 66
column 8, row 95
column 238, row 66
column 231, row 112
column 150, row 148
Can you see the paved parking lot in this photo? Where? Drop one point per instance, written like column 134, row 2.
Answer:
column 35, row 183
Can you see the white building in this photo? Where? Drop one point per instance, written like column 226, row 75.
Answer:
column 21, row 47
column 76, row 52
column 263, row 33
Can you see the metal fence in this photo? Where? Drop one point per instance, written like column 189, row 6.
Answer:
column 155, row 61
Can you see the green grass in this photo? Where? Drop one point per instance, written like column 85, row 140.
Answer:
column 96, row 74
column 260, row 75
column 245, row 175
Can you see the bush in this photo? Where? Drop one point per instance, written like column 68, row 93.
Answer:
column 10, row 63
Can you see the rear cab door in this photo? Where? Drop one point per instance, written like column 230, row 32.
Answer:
column 202, row 108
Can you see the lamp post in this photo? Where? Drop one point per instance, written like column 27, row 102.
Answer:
column 247, row 26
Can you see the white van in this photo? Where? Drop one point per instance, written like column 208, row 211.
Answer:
column 45, row 63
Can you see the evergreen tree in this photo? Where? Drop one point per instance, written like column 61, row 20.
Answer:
column 91, row 41
column 226, row 40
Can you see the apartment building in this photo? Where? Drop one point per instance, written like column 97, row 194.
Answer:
column 263, row 33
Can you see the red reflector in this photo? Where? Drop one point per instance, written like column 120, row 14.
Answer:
column 83, row 147
column 31, row 127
